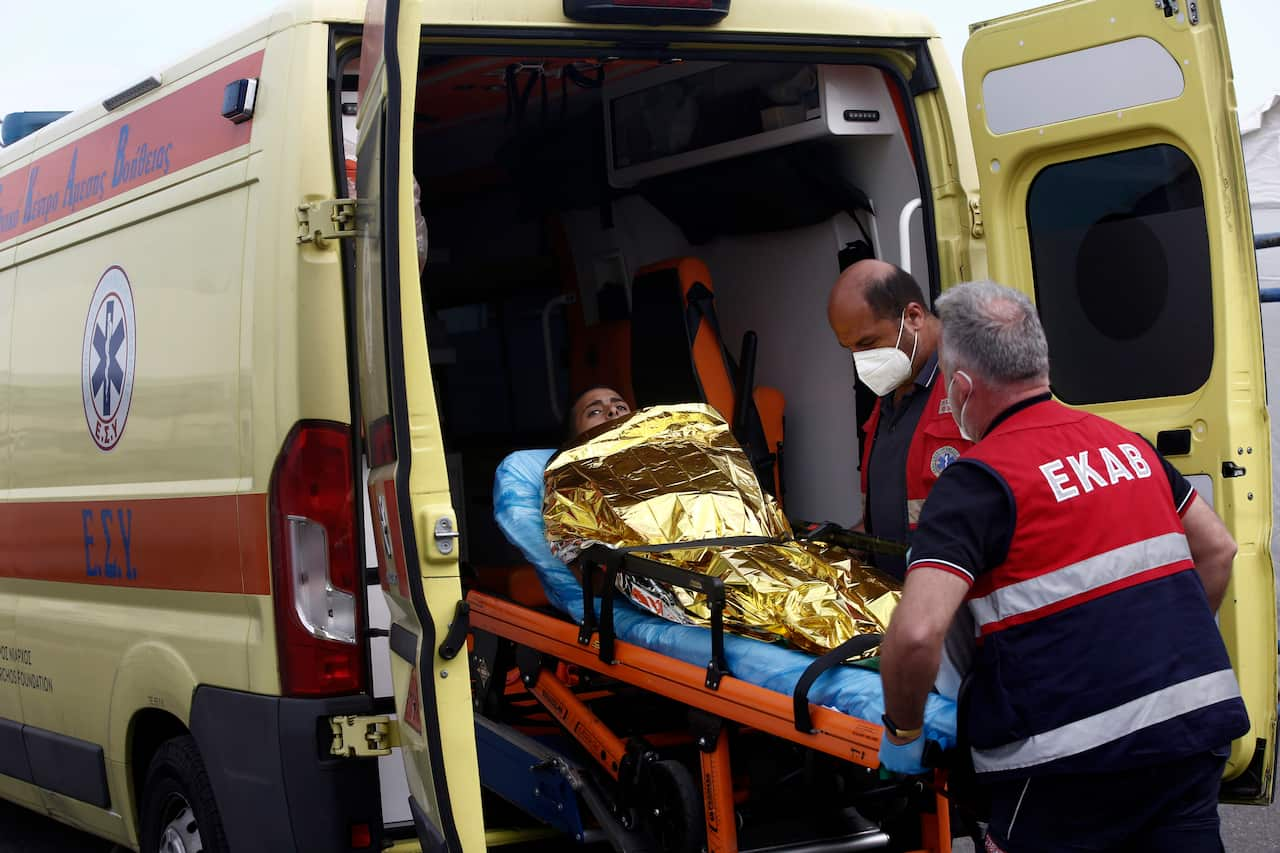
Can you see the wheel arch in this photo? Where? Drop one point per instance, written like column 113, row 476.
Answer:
column 149, row 729
column 150, row 704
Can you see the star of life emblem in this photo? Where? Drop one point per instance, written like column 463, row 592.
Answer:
column 107, row 358
column 942, row 458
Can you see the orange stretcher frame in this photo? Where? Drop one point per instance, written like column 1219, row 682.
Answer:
column 836, row 734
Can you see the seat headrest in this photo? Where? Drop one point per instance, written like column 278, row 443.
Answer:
column 661, row 370
column 689, row 271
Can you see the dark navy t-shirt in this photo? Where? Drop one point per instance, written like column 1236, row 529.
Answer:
column 887, row 475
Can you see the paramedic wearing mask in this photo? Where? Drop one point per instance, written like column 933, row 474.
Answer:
column 877, row 312
column 1102, row 701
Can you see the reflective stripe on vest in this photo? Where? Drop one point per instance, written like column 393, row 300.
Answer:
column 1078, row 579
column 1110, row 725
column 1102, row 575
column 914, row 508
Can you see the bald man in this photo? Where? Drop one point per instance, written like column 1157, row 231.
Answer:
column 877, row 312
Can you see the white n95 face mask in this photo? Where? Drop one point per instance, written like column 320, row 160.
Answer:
column 885, row 368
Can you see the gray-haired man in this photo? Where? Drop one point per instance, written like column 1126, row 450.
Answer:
column 1102, row 699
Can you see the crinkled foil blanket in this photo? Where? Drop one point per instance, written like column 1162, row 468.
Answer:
column 673, row 474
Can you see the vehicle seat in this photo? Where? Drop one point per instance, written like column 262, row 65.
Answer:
column 673, row 301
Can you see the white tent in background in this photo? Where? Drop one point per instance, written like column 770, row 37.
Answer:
column 1260, row 138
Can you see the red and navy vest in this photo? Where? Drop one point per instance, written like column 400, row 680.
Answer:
column 935, row 444
column 1097, row 648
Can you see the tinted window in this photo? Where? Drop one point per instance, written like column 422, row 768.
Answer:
column 1120, row 253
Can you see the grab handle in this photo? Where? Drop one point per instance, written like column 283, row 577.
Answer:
column 549, row 351
column 904, row 234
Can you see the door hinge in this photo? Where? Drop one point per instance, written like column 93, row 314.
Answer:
column 975, row 218
column 363, row 737
column 328, row 219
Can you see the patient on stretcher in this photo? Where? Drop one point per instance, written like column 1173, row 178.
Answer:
column 519, row 499
column 675, row 475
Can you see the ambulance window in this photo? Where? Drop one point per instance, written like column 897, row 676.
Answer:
column 1120, row 254
column 370, row 320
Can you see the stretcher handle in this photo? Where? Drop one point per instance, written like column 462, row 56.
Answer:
column 627, row 561
column 829, row 531
column 841, row 653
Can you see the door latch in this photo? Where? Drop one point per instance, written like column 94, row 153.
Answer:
column 363, row 737
column 445, row 533
column 1170, row 8
column 325, row 220
column 456, row 637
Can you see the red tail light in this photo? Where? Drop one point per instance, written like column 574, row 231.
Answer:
column 314, row 562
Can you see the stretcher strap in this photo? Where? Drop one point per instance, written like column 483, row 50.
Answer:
column 841, row 653
column 610, row 561
column 829, row 531
column 750, row 431
column 717, row 542
column 615, row 560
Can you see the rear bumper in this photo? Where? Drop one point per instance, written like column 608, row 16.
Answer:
column 276, row 787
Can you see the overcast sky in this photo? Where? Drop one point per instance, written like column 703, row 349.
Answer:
column 63, row 54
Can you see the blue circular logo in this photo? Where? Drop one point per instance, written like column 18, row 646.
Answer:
column 942, row 458
column 107, row 358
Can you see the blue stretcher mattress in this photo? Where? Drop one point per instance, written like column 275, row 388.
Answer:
column 855, row 691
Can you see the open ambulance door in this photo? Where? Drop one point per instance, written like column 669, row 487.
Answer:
column 413, row 521
column 1113, row 193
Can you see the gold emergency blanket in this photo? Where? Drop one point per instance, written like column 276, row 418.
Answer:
column 673, row 474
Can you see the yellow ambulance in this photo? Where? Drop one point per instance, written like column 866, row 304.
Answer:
column 248, row 434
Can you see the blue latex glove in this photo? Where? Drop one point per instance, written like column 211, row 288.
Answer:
column 905, row 758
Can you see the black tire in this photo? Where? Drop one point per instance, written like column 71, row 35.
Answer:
column 178, row 784
column 672, row 810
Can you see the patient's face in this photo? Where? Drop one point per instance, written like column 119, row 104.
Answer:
column 596, row 407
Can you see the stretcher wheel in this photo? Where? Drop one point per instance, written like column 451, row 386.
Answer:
column 671, row 809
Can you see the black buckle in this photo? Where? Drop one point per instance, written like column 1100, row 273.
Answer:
column 612, row 562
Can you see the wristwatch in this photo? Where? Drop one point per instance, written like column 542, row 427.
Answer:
column 903, row 734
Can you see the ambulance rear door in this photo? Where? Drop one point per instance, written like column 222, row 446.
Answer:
column 1113, row 193
column 414, row 524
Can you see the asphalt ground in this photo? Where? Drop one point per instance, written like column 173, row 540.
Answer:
column 1245, row 829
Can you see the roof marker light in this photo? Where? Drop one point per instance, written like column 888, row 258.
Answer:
column 137, row 90
column 651, row 12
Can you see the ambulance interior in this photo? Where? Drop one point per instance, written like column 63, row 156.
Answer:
column 550, row 184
